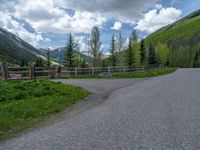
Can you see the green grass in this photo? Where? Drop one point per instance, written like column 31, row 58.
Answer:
column 145, row 74
column 185, row 29
column 141, row 74
column 23, row 103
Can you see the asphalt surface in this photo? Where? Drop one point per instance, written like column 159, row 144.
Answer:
column 161, row 113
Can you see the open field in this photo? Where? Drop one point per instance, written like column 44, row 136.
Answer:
column 23, row 103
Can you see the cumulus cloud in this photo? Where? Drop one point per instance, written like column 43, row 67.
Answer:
column 123, row 10
column 117, row 25
column 7, row 22
column 7, row 6
column 157, row 18
column 82, row 42
column 45, row 16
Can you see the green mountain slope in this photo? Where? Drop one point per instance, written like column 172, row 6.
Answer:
column 14, row 49
column 182, row 38
column 185, row 28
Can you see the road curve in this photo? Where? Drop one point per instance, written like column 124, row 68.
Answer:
column 154, row 114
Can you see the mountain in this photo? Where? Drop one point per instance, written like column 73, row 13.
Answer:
column 186, row 28
column 59, row 54
column 14, row 49
column 182, row 38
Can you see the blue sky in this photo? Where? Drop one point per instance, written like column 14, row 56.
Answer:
column 47, row 23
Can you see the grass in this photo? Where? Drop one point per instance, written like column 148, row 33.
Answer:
column 141, row 74
column 145, row 74
column 23, row 103
column 181, row 30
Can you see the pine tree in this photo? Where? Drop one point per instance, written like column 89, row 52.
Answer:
column 23, row 62
column 83, row 64
column 70, row 52
column 48, row 58
column 113, row 52
column 4, row 61
column 152, row 57
column 39, row 63
column 130, row 55
column 143, row 52
column 136, row 54
column 134, row 37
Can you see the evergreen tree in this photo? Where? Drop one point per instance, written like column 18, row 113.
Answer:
column 83, row 64
column 70, row 52
column 134, row 37
column 130, row 55
column 136, row 55
column 152, row 57
column 143, row 52
column 3, row 60
column 196, row 62
column 113, row 52
column 24, row 63
column 39, row 63
column 104, row 62
column 48, row 58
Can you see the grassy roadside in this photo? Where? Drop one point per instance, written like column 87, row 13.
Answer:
column 141, row 74
column 23, row 103
column 145, row 74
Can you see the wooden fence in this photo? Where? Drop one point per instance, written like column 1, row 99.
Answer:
column 23, row 73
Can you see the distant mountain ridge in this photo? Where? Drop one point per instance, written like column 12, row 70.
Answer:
column 59, row 54
column 14, row 49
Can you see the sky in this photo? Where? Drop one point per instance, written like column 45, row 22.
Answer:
column 47, row 23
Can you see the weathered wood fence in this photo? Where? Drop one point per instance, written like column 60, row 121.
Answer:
column 31, row 73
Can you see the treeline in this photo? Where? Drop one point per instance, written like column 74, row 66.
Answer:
column 126, row 52
column 185, row 52
column 136, row 53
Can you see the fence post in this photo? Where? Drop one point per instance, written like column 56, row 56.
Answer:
column 34, row 73
column 109, row 70
column 75, row 73
column 93, row 71
column 1, row 73
column 31, row 73
column 124, row 69
column 5, row 73
column 58, row 71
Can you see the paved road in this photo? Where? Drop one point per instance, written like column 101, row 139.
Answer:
column 154, row 114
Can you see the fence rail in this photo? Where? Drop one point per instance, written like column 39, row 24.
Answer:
column 21, row 73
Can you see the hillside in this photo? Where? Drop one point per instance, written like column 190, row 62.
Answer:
column 186, row 28
column 14, row 49
column 182, row 38
column 59, row 54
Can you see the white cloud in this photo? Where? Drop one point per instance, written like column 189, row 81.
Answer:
column 157, row 18
column 123, row 10
column 158, row 6
column 106, row 54
column 117, row 25
column 82, row 43
column 16, row 28
column 45, row 16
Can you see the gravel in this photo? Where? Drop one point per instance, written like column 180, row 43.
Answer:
column 152, row 114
